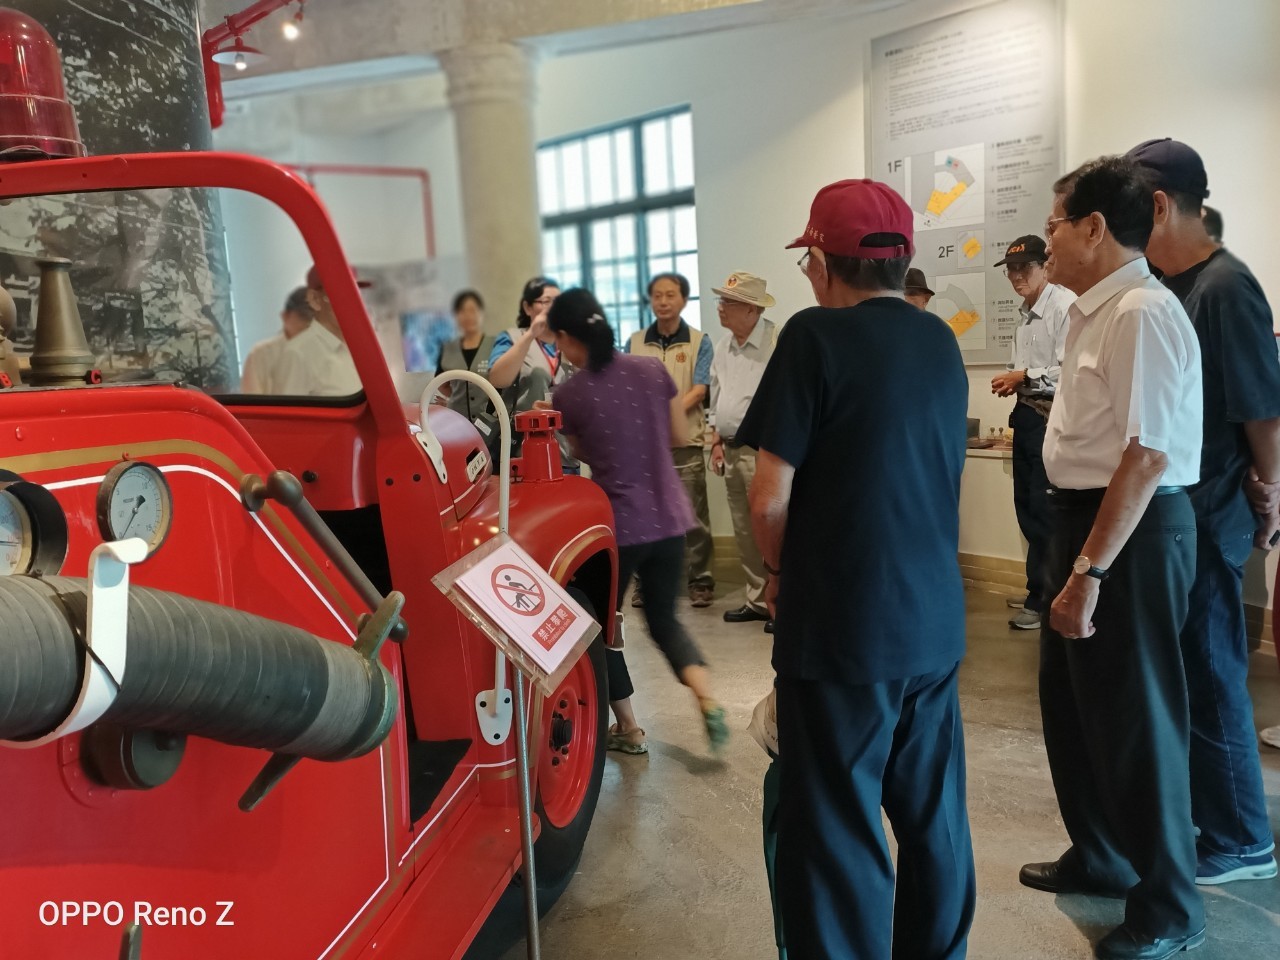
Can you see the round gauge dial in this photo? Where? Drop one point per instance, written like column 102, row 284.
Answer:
column 135, row 501
column 15, row 535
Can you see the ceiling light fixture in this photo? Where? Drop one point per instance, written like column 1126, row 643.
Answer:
column 292, row 28
column 239, row 55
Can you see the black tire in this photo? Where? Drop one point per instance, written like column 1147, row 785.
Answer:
column 558, row 849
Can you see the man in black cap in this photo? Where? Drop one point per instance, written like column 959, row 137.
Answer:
column 1235, row 505
column 1032, row 376
column 917, row 289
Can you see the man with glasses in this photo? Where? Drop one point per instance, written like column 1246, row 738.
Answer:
column 1122, row 445
column 1032, row 376
column 736, row 368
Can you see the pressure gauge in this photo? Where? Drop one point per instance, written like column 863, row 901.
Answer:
column 15, row 535
column 33, row 528
column 134, row 501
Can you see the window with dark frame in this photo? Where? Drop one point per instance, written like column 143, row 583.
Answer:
column 618, row 208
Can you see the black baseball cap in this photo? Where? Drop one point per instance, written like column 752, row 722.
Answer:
column 1028, row 249
column 1172, row 166
column 916, row 282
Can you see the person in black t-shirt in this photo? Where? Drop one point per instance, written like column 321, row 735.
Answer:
column 1236, row 504
column 855, row 507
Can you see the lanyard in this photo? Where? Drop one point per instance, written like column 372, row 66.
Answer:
column 553, row 360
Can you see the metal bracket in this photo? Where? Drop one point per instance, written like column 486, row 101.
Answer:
column 434, row 451
column 106, row 636
column 493, row 714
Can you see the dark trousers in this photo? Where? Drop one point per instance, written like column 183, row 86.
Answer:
column 1030, row 497
column 661, row 568
column 845, row 752
column 1228, row 802
column 1114, row 707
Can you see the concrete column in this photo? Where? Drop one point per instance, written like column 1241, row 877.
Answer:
column 491, row 93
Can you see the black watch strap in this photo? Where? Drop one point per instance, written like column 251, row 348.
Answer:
column 769, row 570
column 1097, row 573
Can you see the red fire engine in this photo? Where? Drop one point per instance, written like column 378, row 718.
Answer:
column 204, row 732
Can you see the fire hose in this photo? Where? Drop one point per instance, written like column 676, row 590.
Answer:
column 193, row 668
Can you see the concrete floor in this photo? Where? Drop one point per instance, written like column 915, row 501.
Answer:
column 673, row 871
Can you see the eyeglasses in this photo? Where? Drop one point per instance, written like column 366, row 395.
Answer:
column 1051, row 224
column 1017, row 269
column 803, row 262
column 544, row 301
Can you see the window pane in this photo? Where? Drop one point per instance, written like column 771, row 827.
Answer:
column 569, row 252
column 551, row 247
column 686, row 225
column 659, row 265
column 624, row 165
column 657, row 160
column 548, row 182
column 602, row 240
column 625, row 235
column 600, row 169
column 658, row 224
column 682, row 151
column 692, row 313
column 688, row 265
column 575, row 188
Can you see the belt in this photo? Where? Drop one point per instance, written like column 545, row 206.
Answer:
column 1095, row 494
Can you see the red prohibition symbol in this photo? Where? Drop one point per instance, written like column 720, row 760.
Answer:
column 518, row 589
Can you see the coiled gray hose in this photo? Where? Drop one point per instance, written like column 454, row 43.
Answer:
column 192, row 667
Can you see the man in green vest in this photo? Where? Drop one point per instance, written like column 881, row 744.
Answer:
column 686, row 353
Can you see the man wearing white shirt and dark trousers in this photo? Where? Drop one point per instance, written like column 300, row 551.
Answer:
column 1033, row 377
column 736, row 368
column 1123, row 443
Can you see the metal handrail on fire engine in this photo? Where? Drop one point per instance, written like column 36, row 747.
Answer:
column 428, row 440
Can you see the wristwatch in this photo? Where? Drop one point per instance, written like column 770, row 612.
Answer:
column 1084, row 566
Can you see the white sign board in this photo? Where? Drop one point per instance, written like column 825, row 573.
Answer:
column 965, row 117
column 521, row 608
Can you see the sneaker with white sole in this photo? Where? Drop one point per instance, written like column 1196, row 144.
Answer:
column 1025, row 620
column 1017, row 603
column 1215, row 868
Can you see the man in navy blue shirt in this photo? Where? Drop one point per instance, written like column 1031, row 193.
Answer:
column 855, row 507
column 1235, row 504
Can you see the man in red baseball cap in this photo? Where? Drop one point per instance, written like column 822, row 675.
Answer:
column 855, row 507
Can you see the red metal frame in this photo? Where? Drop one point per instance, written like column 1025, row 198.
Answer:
column 333, row 855
column 312, row 170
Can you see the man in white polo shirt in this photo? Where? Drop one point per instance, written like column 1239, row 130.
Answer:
column 317, row 363
column 736, row 367
column 1122, row 445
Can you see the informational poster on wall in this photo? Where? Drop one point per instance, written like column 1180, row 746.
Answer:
column 965, row 117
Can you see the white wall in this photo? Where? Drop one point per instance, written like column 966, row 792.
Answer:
column 778, row 112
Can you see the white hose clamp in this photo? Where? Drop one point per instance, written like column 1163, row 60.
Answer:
column 106, row 637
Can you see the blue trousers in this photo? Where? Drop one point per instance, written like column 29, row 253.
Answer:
column 1228, row 802
column 846, row 751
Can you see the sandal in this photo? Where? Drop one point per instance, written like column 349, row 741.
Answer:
column 717, row 729
column 632, row 743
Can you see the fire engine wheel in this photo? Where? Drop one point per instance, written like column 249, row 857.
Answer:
column 570, row 765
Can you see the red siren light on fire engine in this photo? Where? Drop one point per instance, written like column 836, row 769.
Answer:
column 35, row 116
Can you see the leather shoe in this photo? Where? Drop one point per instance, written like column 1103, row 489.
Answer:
column 1055, row 877
column 1123, row 944
column 768, row 626
column 744, row 614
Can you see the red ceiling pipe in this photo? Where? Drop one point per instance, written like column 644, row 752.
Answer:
column 231, row 27
column 310, row 170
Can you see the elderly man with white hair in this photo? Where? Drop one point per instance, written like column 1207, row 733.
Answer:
column 736, row 368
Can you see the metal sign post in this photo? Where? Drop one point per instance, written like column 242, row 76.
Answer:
column 533, row 939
